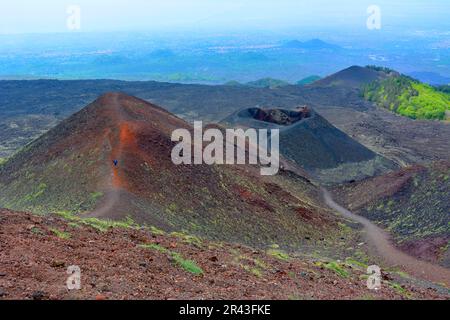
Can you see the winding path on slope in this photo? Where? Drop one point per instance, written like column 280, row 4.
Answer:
column 381, row 242
column 113, row 183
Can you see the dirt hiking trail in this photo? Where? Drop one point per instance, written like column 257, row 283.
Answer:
column 113, row 184
column 381, row 242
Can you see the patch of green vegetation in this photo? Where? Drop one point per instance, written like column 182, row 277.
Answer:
column 98, row 224
column 2, row 161
column 172, row 208
column 279, row 254
column 38, row 231
column 344, row 227
column 67, row 215
column 187, row 238
column 188, row 265
column 154, row 246
column 215, row 245
column 74, row 225
column 156, row 231
column 61, row 234
column 96, row 195
column 403, row 274
column 334, row 266
column 260, row 264
column 248, row 263
column 408, row 97
column 255, row 271
column 105, row 225
column 40, row 190
column 353, row 262
column 400, row 290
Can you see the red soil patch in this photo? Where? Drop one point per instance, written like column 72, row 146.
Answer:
column 127, row 140
column 314, row 218
column 428, row 249
column 126, row 135
column 305, row 213
column 253, row 199
column 279, row 192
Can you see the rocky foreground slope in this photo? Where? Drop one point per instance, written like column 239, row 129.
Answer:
column 125, row 261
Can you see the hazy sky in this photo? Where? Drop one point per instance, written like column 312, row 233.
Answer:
column 24, row 16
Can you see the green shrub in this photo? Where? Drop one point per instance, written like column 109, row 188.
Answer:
column 61, row 234
column 187, row 238
column 156, row 231
column 337, row 268
column 281, row 255
column 400, row 290
column 154, row 246
column 334, row 266
column 187, row 265
column 96, row 195
column 98, row 224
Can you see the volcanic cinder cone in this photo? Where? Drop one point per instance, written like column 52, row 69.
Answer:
column 113, row 160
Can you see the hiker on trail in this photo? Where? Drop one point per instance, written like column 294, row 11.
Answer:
column 116, row 162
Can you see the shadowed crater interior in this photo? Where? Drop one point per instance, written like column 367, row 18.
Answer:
column 279, row 116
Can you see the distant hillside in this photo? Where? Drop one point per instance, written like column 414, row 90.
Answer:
column 308, row 80
column 30, row 108
column 233, row 83
column 431, row 78
column 313, row 44
column 267, row 83
column 408, row 97
column 352, row 77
